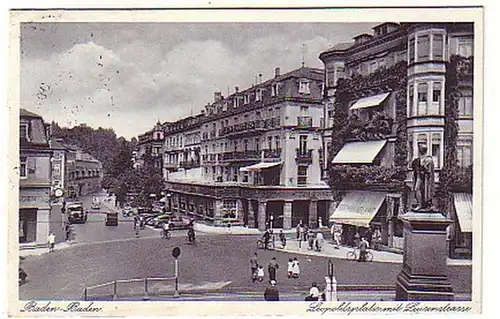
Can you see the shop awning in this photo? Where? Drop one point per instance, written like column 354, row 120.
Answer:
column 359, row 152
column 258, row 167
column 370, row 101
column 463, row 208
column 358, row 208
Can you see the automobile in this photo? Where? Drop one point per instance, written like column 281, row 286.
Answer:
column 111, row 219
column 160, row 220
column 95, row 205
column 76, row 213
column 177, row 223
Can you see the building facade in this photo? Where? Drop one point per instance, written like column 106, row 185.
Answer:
column 150, row 149
column 34, row 179
column 389, row 93
column 261, row 156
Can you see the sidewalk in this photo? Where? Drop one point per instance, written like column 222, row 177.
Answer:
column 44, row 250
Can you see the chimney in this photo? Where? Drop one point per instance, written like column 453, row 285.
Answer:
column 236, row 89
column 260, row 77
column 217, row 96
column 276, row 72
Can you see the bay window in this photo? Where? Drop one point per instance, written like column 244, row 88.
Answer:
column 433, row 141
column 422, row 99
column 423, row 47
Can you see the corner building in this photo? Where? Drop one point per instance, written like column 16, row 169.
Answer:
column 389, row 92
column 261, row 156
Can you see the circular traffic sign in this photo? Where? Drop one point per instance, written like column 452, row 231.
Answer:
column 176, row 252
column 58, row 192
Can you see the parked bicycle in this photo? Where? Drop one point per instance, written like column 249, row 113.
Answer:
column 354, row 255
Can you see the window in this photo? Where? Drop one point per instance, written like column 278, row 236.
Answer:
column 436, row 149
column 465, row 104
column 258, row 95
column 247, row 99
column 410, row 148
column 304, row 87
column 340, row 72
column 301, row 175
column 422, row 99
column 245, row 145
column 56, row 169
column 277, row 142
column 57, row 155
column 423, row 47
column 464, row 155
column 269, row 142
column 437, row 46
column 275, row 89
column 465, row 47
column 23, row 131
column 410, row 100
column 411, row 50
column 257, row 144
column 303, row 144
column 22, row 167
column 436, row 98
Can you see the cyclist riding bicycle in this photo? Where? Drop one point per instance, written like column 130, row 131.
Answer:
column 166, row 230
column 191, row 235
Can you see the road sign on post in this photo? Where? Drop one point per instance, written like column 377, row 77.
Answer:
column 176, row 253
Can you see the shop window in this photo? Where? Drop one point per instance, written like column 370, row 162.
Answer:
column 301, row 175
column 23, row 167
column 423, row 47
column 437, row 46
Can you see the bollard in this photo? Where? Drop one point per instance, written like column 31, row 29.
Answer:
column 331, row 289
column 146, row 295
column 115, row 296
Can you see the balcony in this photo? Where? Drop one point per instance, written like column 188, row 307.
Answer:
column 249, row 128
column 303, row 156
column 189, row 164
column 304, row 122
column 272, row 154
column 241, row 156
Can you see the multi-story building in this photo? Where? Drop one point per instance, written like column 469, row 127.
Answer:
column 150, row 149
column 389, row 93
column 261, row 154
column 182, row 144
column 84, row 172
column 34, row 179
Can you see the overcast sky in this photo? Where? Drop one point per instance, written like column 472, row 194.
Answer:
column 129, row 75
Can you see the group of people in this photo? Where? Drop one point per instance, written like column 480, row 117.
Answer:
column 257, row 269
column 314, row 240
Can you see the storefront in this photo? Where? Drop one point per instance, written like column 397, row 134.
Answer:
column 460, row 232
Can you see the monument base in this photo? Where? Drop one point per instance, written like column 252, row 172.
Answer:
column 423, row 288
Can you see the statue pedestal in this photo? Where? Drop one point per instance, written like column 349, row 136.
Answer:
column 423, row 277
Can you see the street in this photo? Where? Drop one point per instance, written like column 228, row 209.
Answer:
column 218, row 263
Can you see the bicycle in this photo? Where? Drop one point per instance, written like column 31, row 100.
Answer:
column 260, row 244
column 191, row 241
column 352, row 255
column 165, row 234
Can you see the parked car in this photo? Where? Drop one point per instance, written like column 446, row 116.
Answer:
column 76, row 214
column 160, row 220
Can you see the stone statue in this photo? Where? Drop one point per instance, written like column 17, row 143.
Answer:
column 423, row 179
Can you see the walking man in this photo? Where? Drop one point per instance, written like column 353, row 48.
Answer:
column 272, row 269
column 272, row 293
column 363, row 246
column 52, row 242
column 254, row 265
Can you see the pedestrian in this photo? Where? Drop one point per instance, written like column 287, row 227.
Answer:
column 304, row 234
column 52, row 242
column 273, row 269
column 310, row 239
column 282, row 239
column 333, row 230
column 320, row 222
column 254, row 264
column 336, row 237
column 266, row 237
column 260, row 273
column 297, row 231
column 356, row 239
column 295, row 268
column 363, row 246
column 369, row 236
column 272, row 293
column 229, row 228
column 67, row 230
column 319, row 241
column 290, row 268
column 313, row 293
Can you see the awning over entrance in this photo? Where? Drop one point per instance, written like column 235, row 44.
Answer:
column 463, row 208
column 358, row 208
column 370, row 101
column 359, row 152
column 258, row 167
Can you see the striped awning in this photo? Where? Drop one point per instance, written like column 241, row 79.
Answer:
column 359, row 152
column 259, row 166
column 358, row 208
column 463, row 208
column 370, row 101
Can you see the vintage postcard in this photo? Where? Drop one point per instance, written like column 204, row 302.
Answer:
column 245, row 162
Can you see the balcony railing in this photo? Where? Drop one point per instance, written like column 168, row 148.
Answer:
column 272, row 153
column 304, row 122
column 250, row 126
column 241, row 155
column 303, row 156
column 189, row 164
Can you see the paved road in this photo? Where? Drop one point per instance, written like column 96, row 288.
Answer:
column 216, row 259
